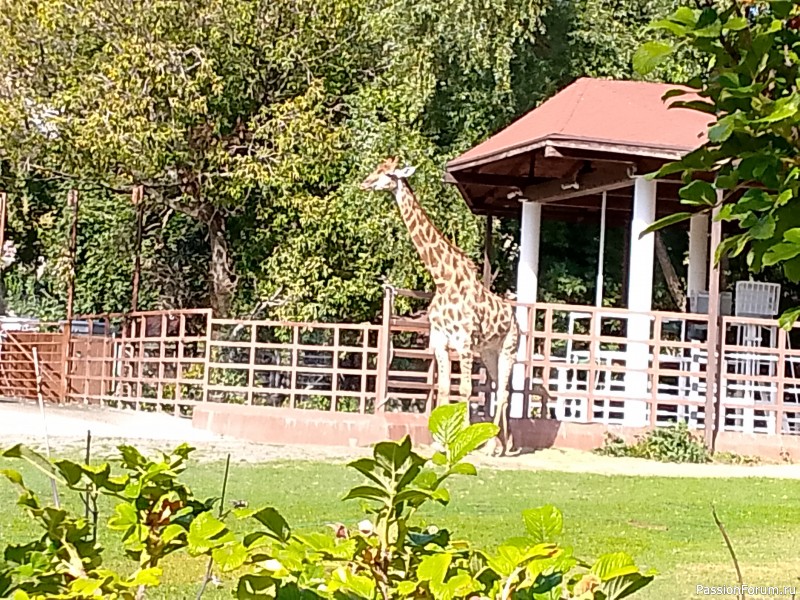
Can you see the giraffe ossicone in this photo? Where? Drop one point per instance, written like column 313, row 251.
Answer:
column 464, row 316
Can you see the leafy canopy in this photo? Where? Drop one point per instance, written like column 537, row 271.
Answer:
column 749, row 89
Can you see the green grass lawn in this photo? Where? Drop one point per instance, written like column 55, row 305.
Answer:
column 664, row 523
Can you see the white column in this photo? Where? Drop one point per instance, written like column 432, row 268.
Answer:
column 697, row 275
column 527, row 287
column 601, row 254
column 529, row 237
column 640, row 299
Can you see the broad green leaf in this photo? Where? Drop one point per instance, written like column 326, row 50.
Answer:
column 360, row 585
column 732, row 246
column 784, row 197
column 507, row 559
column 791, row 268
column 674, row 28
column 125, row 516
column 439, row 459
column 256, row 587
column 72, row 472
column 649, row 55
column 230, row 556
column 427, row 479
column 699, row 193
column 460, row 585
column 784, row 108
column 370, row 468
column 131, row 457
column 447, row 421
column 464, row 469
column 275, row 523
column 722, row 129
column 392, row 455
column 666, row 222
column 543, row 524
column 616, row 564
column 151, row 577
column 789, row 318
column 171, row 532
column 624, row 585
column 792, row 235
column 685, row 15
column 85, row 587
column 726, row 182
column 34, row 458
column 368, row 492
column 764, row 229
column 780, row 252
column 442, row 496
column 203, row 533
column 736, row 23
column 13, row 476
column 439, row 537
column 406, row 588
column 546, row 582
column 755, row 200
column 434, row 567
column 413, row 496
column 470, row 439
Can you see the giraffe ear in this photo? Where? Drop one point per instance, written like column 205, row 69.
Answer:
column 405, row 172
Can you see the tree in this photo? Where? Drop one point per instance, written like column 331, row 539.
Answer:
column 241, row 113
column 748, row 86
column 250, row 122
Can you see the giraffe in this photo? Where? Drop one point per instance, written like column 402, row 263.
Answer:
column 464, row 316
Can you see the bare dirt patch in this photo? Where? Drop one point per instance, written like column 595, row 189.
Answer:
column 67, row 427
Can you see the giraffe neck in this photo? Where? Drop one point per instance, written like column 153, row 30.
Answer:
column 441, row 258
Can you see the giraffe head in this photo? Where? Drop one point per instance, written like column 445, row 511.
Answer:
column 387, row 174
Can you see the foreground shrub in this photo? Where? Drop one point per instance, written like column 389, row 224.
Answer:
column 389, row 554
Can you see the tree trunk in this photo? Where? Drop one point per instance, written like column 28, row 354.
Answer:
column 671, row 277
column 223, row 280
column 221, row 275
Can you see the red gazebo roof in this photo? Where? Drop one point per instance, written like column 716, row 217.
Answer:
column 589, row 139
column 625, row 114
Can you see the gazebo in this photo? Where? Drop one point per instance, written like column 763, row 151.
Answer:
column 585, row 154
column 594, row 139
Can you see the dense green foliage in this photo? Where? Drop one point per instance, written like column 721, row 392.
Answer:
column 391, row 554
column 250, row 122
column 750, row 90
column 666, row 444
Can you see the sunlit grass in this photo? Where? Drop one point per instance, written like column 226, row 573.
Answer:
column 664, row 523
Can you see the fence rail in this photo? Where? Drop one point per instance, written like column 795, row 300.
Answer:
column 575, row 363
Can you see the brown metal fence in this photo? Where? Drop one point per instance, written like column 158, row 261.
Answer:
column 17, row 366
column 576, row 363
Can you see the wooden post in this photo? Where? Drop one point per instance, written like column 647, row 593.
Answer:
column 3, row 212
column 72, row 202
column 37, row 367
column 137, row 197
column 714, row 333
column 384, row 341
column 487, row 252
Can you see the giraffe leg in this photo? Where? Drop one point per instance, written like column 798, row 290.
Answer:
column 505, row 364
column 465, row 385
column 442, row 356
column 490, row 358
